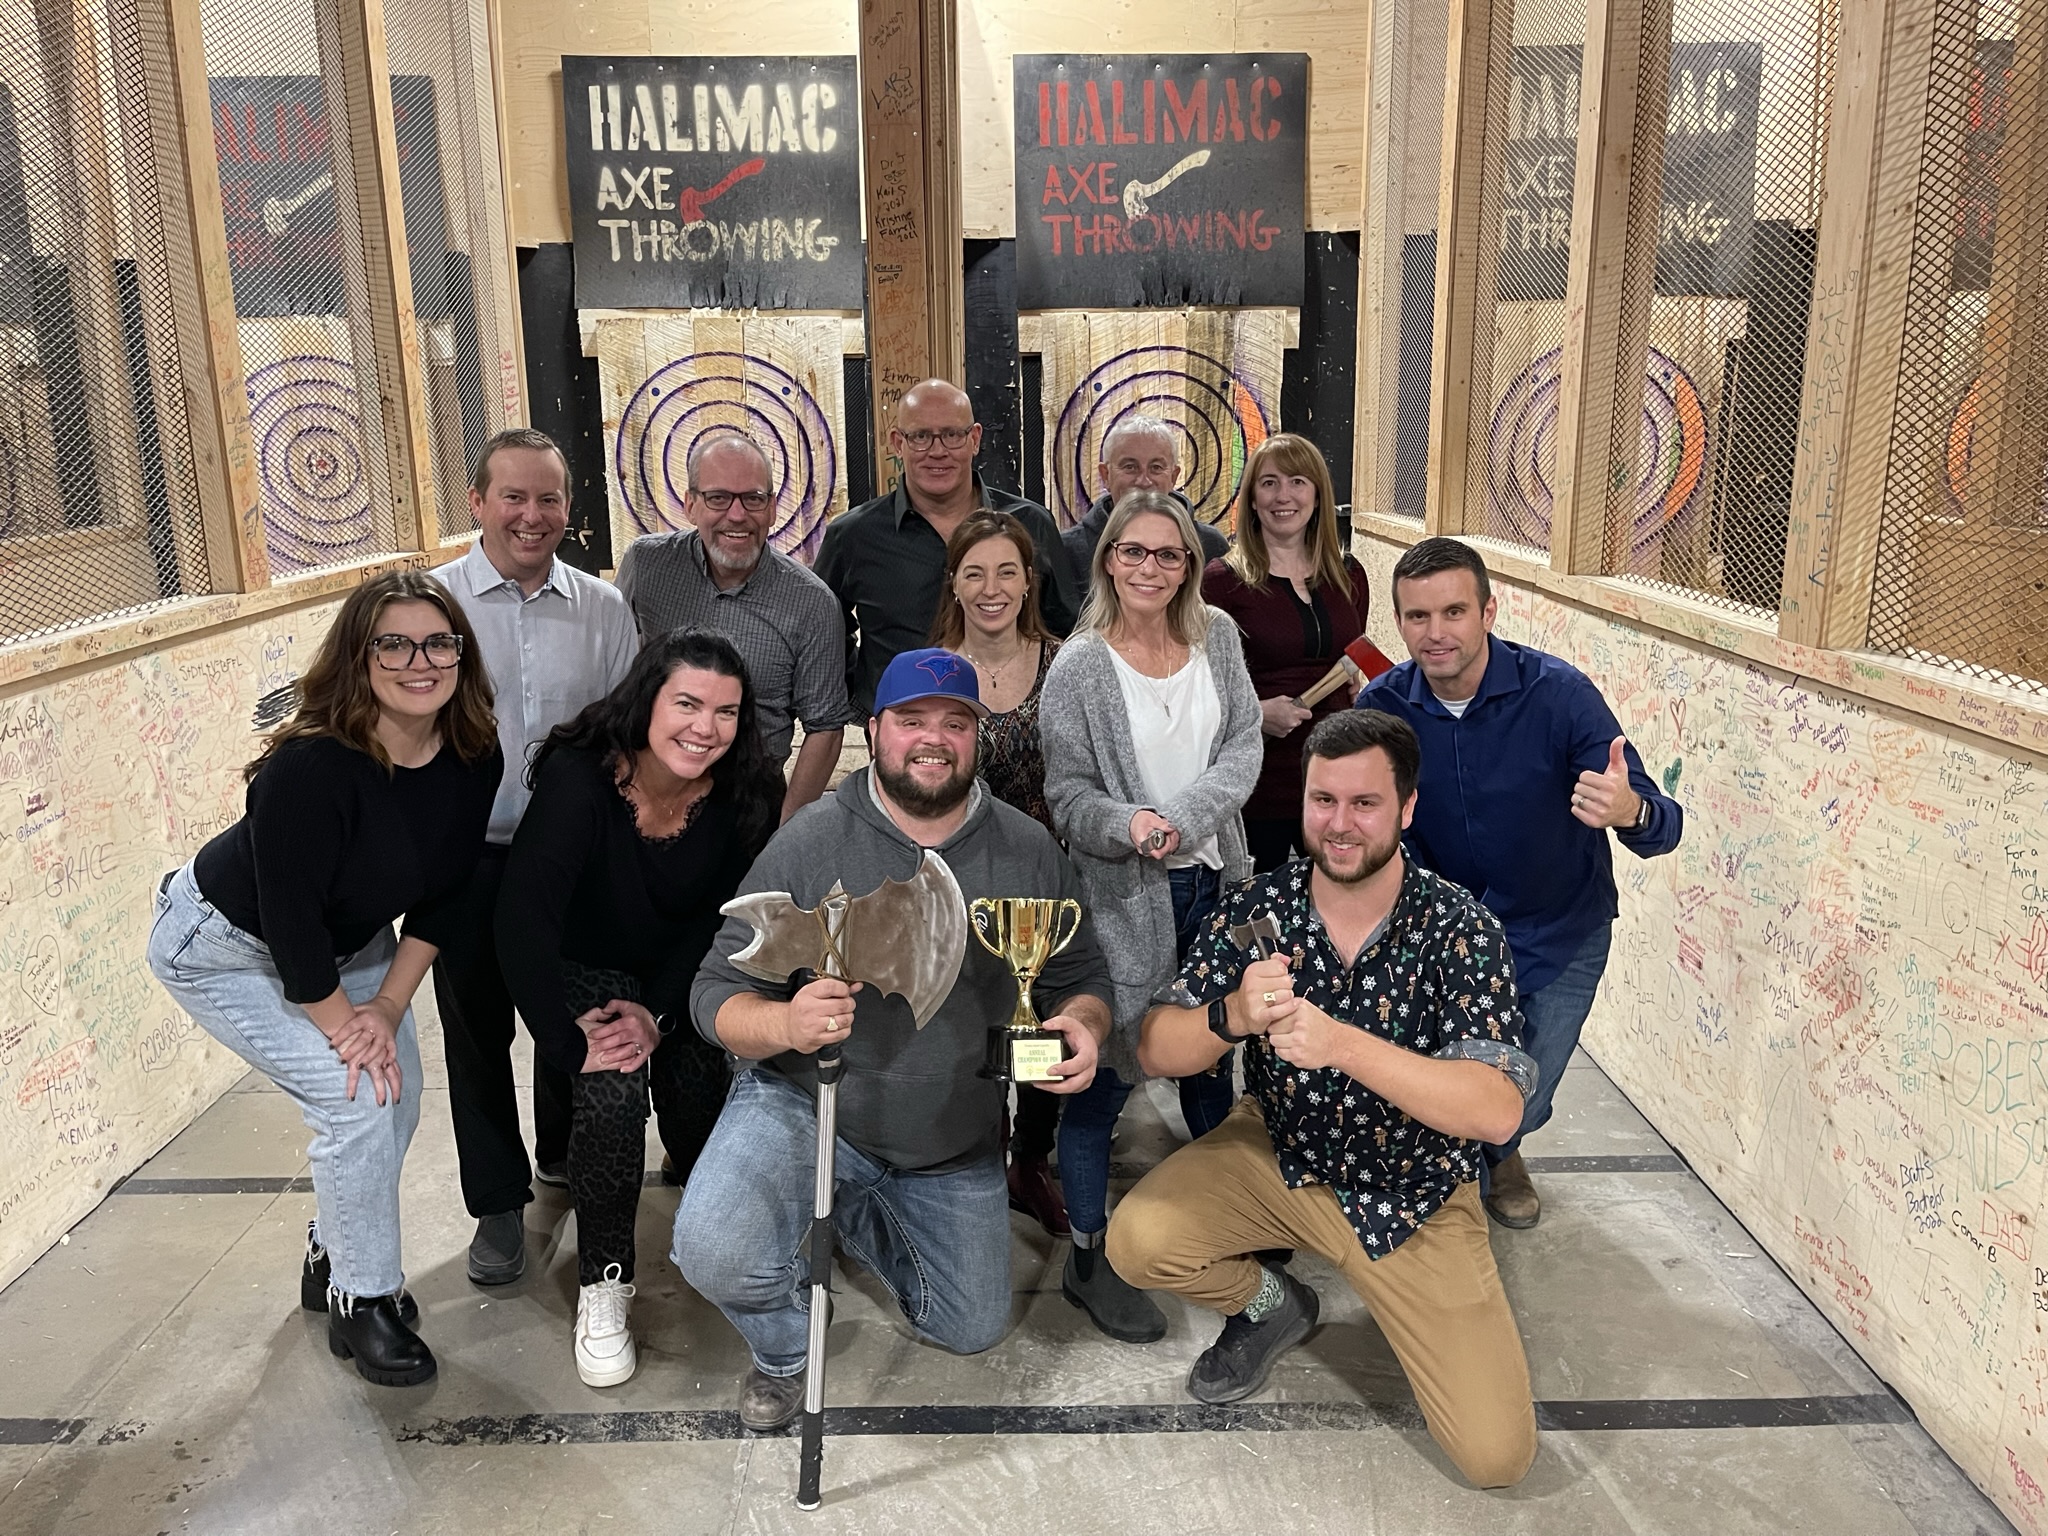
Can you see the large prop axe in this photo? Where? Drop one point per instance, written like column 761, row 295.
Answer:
column 905, row 937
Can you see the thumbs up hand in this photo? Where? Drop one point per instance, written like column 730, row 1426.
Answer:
column 1605, row 799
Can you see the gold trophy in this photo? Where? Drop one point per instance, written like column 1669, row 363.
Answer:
column 1024, row 932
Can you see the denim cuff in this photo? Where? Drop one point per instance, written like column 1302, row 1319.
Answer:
column 1518, row 1065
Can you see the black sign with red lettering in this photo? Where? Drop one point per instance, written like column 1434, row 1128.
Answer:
column 277, row 193
column 714, row 182
column 1160, row 179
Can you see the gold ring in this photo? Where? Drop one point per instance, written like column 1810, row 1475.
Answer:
column 831, row 1023
column 1269, row 997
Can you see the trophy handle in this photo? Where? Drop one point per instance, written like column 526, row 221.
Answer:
column 1065, row 908
column 983, row 907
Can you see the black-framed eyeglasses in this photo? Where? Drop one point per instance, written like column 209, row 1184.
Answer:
column 394, row 653
column 721, row 501
column 1132, row 555
column 923, row 440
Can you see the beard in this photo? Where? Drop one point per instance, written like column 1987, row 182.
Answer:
column 725, row 560
column 1374, row 858
column 921, row 799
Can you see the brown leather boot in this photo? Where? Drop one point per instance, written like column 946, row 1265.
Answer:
column 1512, row 1201
column 1033, row 1192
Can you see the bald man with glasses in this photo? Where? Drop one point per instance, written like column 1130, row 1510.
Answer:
column 886, row 560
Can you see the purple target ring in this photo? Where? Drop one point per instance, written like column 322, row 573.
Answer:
column 716, row 392
column 1521, row 456
column 306, row 421
column 1215, row 416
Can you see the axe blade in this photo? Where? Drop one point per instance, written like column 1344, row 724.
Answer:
column 1262, row 933
column 906, row 937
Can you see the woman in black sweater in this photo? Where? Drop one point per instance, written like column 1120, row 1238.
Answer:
column 369, row 804
column 647, row 810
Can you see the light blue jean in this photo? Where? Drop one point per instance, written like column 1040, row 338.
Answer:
column 226, row 980
column 1552, row 1017
column 939, row 1241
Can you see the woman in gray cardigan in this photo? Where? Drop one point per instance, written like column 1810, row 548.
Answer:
column 1152, row 744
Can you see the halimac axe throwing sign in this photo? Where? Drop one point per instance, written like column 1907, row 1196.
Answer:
column 1159, row 179
column 714, row 182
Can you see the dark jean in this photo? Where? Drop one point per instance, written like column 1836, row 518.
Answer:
column 1552, row 1017
column 1090, row 1116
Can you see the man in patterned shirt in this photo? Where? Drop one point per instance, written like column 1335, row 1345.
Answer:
column 1381, row 1056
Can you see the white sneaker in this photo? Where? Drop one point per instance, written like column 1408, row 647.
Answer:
column 604, row 1346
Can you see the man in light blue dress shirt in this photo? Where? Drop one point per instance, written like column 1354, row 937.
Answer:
column 553, row 640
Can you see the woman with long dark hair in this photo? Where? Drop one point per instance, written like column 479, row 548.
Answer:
column 988, row 612
column 1300, row 600
column 647, row 809
column 369, row 804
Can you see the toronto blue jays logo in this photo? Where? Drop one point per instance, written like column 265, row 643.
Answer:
column 942, row 668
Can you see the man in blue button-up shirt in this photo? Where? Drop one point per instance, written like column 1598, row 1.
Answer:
column 1524, row 768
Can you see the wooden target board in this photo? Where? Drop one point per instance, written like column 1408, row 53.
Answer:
column 1212, row 375
column 667, row 380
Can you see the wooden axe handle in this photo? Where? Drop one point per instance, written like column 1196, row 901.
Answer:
column 1345, row 671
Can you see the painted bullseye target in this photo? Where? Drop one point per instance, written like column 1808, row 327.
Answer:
column 719, row 391
column 307, row 424
column 1522, row 453
column 1213, row 413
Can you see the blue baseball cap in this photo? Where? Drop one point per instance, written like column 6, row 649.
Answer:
column 932, row 673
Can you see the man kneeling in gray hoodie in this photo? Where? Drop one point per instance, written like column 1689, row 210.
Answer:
column 921, row 1200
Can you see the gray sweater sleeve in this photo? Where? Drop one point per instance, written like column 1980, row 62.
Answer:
column 1087, row 816
column 1220, row 792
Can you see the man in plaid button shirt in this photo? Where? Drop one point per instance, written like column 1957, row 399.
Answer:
column 1382, row 1052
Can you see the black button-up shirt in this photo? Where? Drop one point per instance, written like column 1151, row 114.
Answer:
column 1436, row 978
column 887, row 564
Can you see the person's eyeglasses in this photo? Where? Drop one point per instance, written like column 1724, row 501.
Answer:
column 720, row 501
column 922, row 441
column 1171, row 558
column 394, row 653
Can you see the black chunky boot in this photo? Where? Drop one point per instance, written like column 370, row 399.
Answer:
column 313, row 1281
column 369, row 1331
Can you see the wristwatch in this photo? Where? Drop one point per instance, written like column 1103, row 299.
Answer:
column 1642, row 821
column 1219, row 1022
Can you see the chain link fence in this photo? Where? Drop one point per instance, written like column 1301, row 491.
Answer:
column 1751, row 83
column 1962, row 562
column 96, row 498
column 291, row 168
column 443, row 103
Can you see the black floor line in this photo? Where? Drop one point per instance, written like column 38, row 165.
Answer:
column 40, row 1431
column 277, row 1184
column 1154, row 1419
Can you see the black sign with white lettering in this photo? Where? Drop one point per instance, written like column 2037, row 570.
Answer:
column 277, row 193
column 714, row 182
column 1709, row 188
column 1174, row 179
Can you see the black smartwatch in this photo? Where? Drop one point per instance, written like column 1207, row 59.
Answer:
column 1642, row 822
column 1219, row 1022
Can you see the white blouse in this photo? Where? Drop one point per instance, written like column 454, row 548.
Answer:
column 1174, row 725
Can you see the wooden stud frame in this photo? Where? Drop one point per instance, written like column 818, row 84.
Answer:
column 1467, row 264
column 354, row 62
column 1857, row 324
column 1616, row 207
column 910, row 128
column 1378, row 375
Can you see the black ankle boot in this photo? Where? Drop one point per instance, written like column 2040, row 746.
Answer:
column 313, row 1282
column 368, row 1330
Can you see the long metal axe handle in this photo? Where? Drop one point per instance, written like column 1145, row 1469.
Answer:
column 818, row 1273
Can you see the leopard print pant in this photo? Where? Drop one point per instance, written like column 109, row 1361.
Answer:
column 687, row 1078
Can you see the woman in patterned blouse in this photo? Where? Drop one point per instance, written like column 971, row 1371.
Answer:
column 989, row 614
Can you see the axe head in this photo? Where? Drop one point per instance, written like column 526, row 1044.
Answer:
column 1261, row 934
column 905, row 936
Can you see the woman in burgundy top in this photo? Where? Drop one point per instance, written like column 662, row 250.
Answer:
column 1300, row 599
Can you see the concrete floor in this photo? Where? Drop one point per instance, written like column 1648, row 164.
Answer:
column 159, row 1377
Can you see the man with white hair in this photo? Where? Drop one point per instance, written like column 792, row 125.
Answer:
column 1138, row 454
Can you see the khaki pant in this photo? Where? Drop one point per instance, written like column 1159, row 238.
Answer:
column 1190, row 1223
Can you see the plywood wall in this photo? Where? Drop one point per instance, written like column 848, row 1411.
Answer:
column 538, row 32
column 108, row 778
column 1833, row 999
